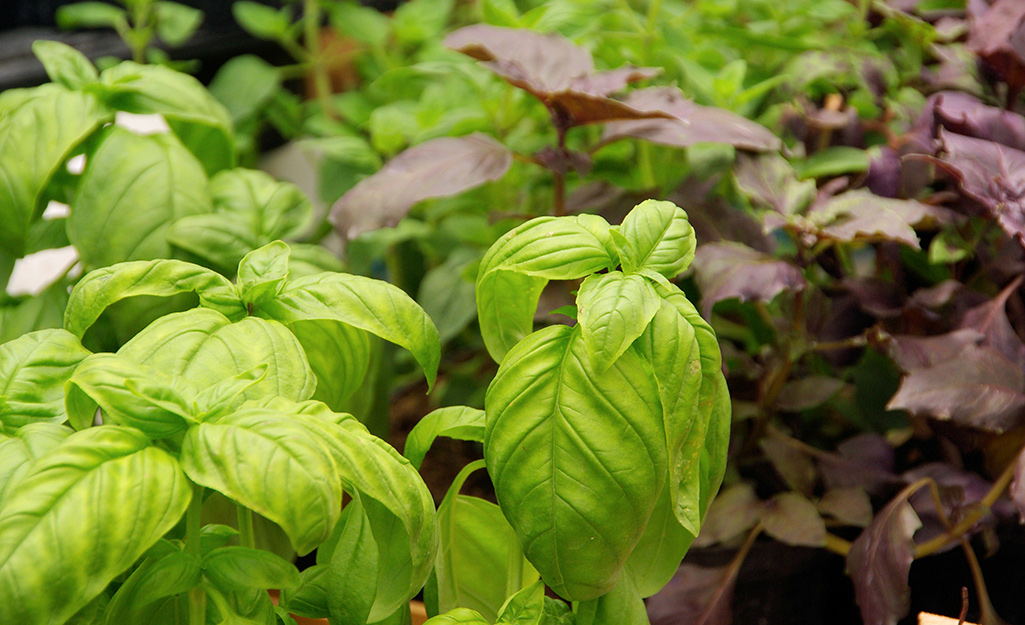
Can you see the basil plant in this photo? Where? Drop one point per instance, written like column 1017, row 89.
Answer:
column 110, row 462
column 605, row 440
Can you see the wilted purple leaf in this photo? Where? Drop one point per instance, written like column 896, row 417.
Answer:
column 861, row 216
column 793, row 465
column 990, row 319
column 993, row 175
column 979, row 388
column 733, row 512
column 921, row 352
column 435, row 168
column 689, row 123
column 697, row 595
column 850, row 506
column 997, row 37
column 863, row 461
column 880, row 560
column 807, row 392
column 793, row 520
column 554, row 70
column 727, row 270
column 769, row 180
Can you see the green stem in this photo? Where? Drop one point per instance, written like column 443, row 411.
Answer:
column 311, row 34
column 245, row 526
column 193, row 528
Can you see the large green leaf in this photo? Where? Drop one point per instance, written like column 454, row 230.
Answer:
column 27, row 444
column 658, row 553
column 251, row 210
column 613, row 309
column 272, row 465
column 133, row 188
column 339, row 355
column 102, row 287
column 480, row 562
column 370, row 305
column 238, row 568
column 620, row 606
column 81, row 515
column 111, row 382
column 554, row 425
column 459, row 422
column 33, row 369
column 516, row 269
column 138, row 599
column 353, row 572
column 657, row 236
column 205, row 348
column 196, row 116
column 64, row 64
column 36, row 138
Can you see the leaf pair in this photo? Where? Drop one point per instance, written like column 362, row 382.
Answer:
column 607, row 439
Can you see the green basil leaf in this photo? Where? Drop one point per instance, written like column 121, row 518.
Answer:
column 360, row 22
column 176, row 23
column 459, row 616
column 199, row 120
column 107, row 380
column 370, row 305
column 262, row 272
column 458, row 422
column 339, row 356
column 39, row 312
column 310, row 599
column 33, row 369
column 658, row 553
column 233, row 568
column 64, row 64
column 526, row 607
column 395, row 499
column 155, row 579
column 620, row 606
column 227, row 395
column 261, row 21
column 272, row 465
column 204, row 347
column 28, row 443
column 81, row 515
column 447, row 295
column 515, row 270
column 656, row 235
column 352, row 574
column 480, row 558
column 90, row 15
column 613, row 309
column 245, row 85
column 102, row 287
column 36, row 138
column 554, row 423
column 252, row 209
column 133, row 188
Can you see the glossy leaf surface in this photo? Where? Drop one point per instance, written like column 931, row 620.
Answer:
column 458, row 422
column 33, row 369
column 613, row 309
column 28, row 443
column 656, row 236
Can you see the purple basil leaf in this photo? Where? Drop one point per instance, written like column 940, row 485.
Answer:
column 861, row 216
column 554, row 70
column 563, row 161
column 793, row 520
column 435, row 168
column 921, row 352
column 850, row 506
column 688, row 123
column 959, row 490
column 733, row 511
column 978, row 388
column 863, row 461
column 793, row 465
column 769, row 181
column 727, row 270
column 808, row 392
column 880, row 560
column 883, row 177
column 997, row 37
column 966, row 115
column 697, row 595
column 990, row 319
column 993, row 175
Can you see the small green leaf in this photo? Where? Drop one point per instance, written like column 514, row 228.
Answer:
column 64, row 64
column 526, row 607
column 102, row 287
column 135, row 601
column 262, row 272
column 458, row 422
column 33, row 369
column 516, row 269
column 141, row 183
column 80, row 516
column 362, row 23
column 267, row 462
column 459, row 616
column 176, row 23
column 613, row 309
column 364, row 303
column 261, row 20
column 238, row 568
column 833, row 161
column 90, row 15
column 550, row 421
column 245, row 85
column 656, row 235
column 226, row 395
